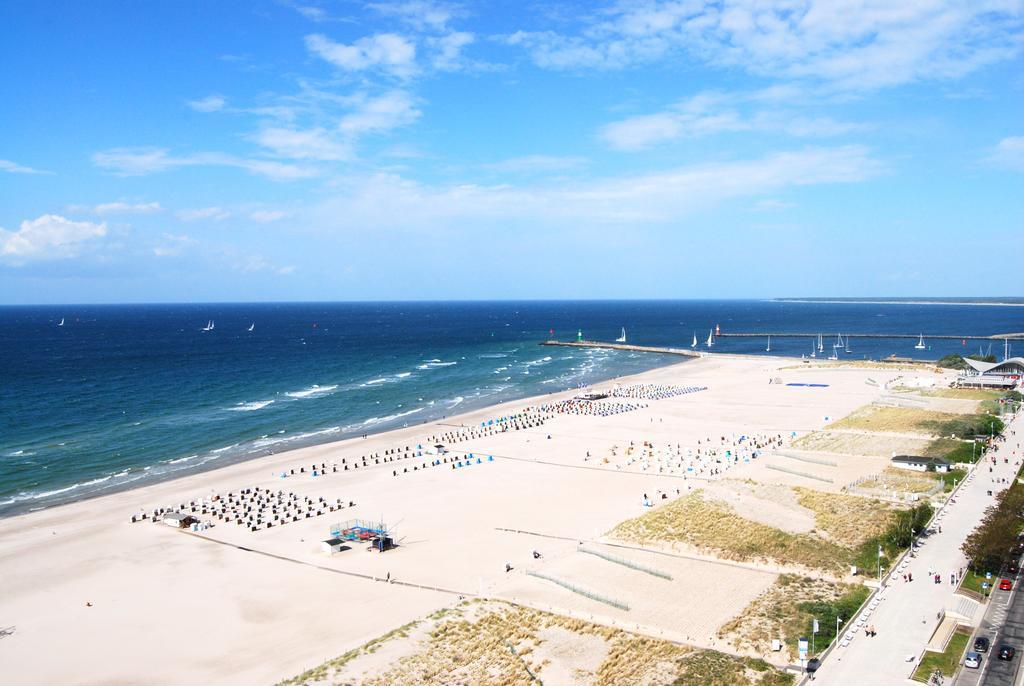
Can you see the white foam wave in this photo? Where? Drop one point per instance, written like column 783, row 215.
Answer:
column 456, row 401
column 391, row 417
column 251, row 407
column 313, row 390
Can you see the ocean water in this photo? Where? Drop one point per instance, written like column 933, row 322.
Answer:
column 120, row 396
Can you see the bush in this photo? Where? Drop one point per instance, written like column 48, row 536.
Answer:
column 989, row 546
column 826, row 613
column 951, row 362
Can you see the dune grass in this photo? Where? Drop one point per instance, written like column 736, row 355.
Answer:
column 843, row 525
column 918, row 421
column 904, row 480
column 786, row 611
column 492, row 642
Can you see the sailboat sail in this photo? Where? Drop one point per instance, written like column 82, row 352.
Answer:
column 61, row 322
column 769, row 348
column 920, row 343
column 711, row 338
column 694, row 344
column 252, row 326
column 821, row 346
column 622, row 337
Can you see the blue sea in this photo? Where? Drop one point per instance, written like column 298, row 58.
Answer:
column 120, row 396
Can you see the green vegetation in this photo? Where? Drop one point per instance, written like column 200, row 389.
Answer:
column 912, row 419
column 903, row 526
column 491, row 642
column 973, row 581
column 826, row 612
column 786, row 611
column 955, row 450
column 947, row 661
column 848, row 530
column 989, row 546
column 957, row 362
column 708, row 668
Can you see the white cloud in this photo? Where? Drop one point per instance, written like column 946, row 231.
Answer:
column 308, row 144
column 710, row 113
column 448, row 50
column 15, row 168
column 388, row 51
column 858, row 44
column 173, row 245
column 213, row 213
column 211, row 103
column 141, row 161
column 267, row 216
column 1009, row 153
column 381, row 113
column 390, row 202
column 48, row 237
column 419, row 14
column 127, row 208
column 537, row 163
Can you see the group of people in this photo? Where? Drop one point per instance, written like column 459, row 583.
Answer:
column 710, row 457
column 529, row 418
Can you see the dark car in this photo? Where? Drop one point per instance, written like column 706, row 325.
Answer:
column 1006, row 652
column 981, row 644
column 1012, row 568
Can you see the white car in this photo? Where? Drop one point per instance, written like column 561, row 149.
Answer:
column 973, row 660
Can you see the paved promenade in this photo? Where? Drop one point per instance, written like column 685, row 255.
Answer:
column 907, row 616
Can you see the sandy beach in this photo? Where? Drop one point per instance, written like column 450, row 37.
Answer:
column 94, row 599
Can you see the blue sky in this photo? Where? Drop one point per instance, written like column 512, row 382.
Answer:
column 291, row 150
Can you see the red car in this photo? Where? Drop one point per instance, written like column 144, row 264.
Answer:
column 1005, row 585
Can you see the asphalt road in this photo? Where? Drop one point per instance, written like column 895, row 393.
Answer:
column 1007, row 624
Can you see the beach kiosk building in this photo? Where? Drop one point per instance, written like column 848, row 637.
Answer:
column 921, row 464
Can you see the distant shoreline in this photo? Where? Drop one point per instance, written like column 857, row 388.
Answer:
column 899, row 302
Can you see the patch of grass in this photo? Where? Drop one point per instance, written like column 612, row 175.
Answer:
column 786, row 611
column 715, row 528
column 708, row 668
column 321, row 672
column 846, row 519
column 901, row 420
column 947, row 661
column 493, row 642
column 973, row 581
column 902, row 480
column 961, row 393
column 848, row 530
column 955, row 450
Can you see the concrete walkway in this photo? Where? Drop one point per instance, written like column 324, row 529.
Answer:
column 908, row 614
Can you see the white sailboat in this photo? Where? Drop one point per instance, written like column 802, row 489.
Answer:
column 847, row 344
column 839, row 340
column 209, row 326
column 769, row 348
column 252, row 326
column 61, row 322
column 821, row 345
column 711, row 338
column 622, row 337
column 694, row 344
column 920, row 343
column 814, row 353
column 834, row 355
